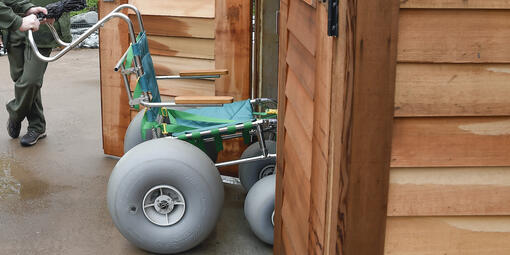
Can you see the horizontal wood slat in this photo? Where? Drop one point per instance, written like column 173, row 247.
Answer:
column 455, row 4
column 448, row 235
column 301, row 64
column 302, row 24
column 186, row 87
column 203, row 100
column 452, row 90
column 176, row 26
column 472, row 191
column 303, row 146
column 298, row 97
column 181, row 47
column 188, row 8
column 454, row 36
column 431, row 142
column 174, row 65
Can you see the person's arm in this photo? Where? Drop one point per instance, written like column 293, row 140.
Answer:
column 18, row 6
column 8, row 19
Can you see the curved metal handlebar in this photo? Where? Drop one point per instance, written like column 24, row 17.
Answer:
column 68, row 46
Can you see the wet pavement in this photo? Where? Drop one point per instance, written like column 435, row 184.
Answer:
column 53, row 195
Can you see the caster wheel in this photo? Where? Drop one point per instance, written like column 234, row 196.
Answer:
column 250, row 173
column 133, row 135
column 165, row 196
column 259, row 208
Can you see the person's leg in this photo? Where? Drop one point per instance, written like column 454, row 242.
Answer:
column 35, row 116
column 16, row 57
column 27, row 87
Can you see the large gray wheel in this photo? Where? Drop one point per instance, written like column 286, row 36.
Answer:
column 133, row 135
column 165, row 196
column 259, row 208
column 250, row 173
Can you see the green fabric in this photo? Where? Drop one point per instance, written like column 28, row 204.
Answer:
column 231, row 129
column 228, row 114
column 147, row 125
column 129, row 58
column 218, row 141
column 27, row 71
column 8, row 9
column 246, row 132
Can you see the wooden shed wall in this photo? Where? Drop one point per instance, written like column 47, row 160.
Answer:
column 450, row 179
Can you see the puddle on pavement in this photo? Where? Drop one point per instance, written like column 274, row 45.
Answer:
column 18, row 183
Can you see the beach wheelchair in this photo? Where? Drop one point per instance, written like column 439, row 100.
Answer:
column 165, row 194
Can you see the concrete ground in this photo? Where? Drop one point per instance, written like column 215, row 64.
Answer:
column 53, row 195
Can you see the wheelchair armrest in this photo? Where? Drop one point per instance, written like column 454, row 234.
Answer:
column 204, row 100
column 203, row 72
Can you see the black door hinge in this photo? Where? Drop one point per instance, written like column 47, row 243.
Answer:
column 333, row 18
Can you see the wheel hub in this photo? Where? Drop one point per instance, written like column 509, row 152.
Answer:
column 266, row 171
column 164, row 205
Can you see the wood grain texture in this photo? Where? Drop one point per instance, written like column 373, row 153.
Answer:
column 164, row 65
column 471, row 191
column 302, row 24
column 448, row 235
column 476, row 36
column 232, row 48
column 281, row 237
column 452, row 90
column 232, row 52
column 188, row 8
column 364, row 172
column 187, row 87
column 203, row 100
column 321, row 138
column 442, row 142
column 455, row 4
column 176, row 26
column 181, row 47
column 115, row 111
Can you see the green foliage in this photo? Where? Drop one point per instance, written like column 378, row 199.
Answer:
column 91, row 6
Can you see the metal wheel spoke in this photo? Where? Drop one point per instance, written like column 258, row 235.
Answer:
column 160, row 191
column 179, row 203
column 167, row 219
column 149, row 205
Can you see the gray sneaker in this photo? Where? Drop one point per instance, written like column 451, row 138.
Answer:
column 13, row 128
column 31, row 138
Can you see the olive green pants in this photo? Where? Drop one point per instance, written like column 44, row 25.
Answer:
column 27, row 72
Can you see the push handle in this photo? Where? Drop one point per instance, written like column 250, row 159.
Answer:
column 68, row 46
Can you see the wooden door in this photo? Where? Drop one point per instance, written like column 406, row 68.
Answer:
column 334, row 126
column 304, row 103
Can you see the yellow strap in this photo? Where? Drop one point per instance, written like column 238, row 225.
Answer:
column 164, row 129
column 272, row 111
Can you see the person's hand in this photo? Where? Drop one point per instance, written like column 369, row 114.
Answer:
column 30, row 22
column 48, row 21
column 35, row 10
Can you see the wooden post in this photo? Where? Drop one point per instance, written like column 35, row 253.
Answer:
column 362, row 128
column 232, row 52
column 114, row 101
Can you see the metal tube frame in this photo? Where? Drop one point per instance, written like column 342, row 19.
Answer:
column 259, row 131
column 144, row 99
